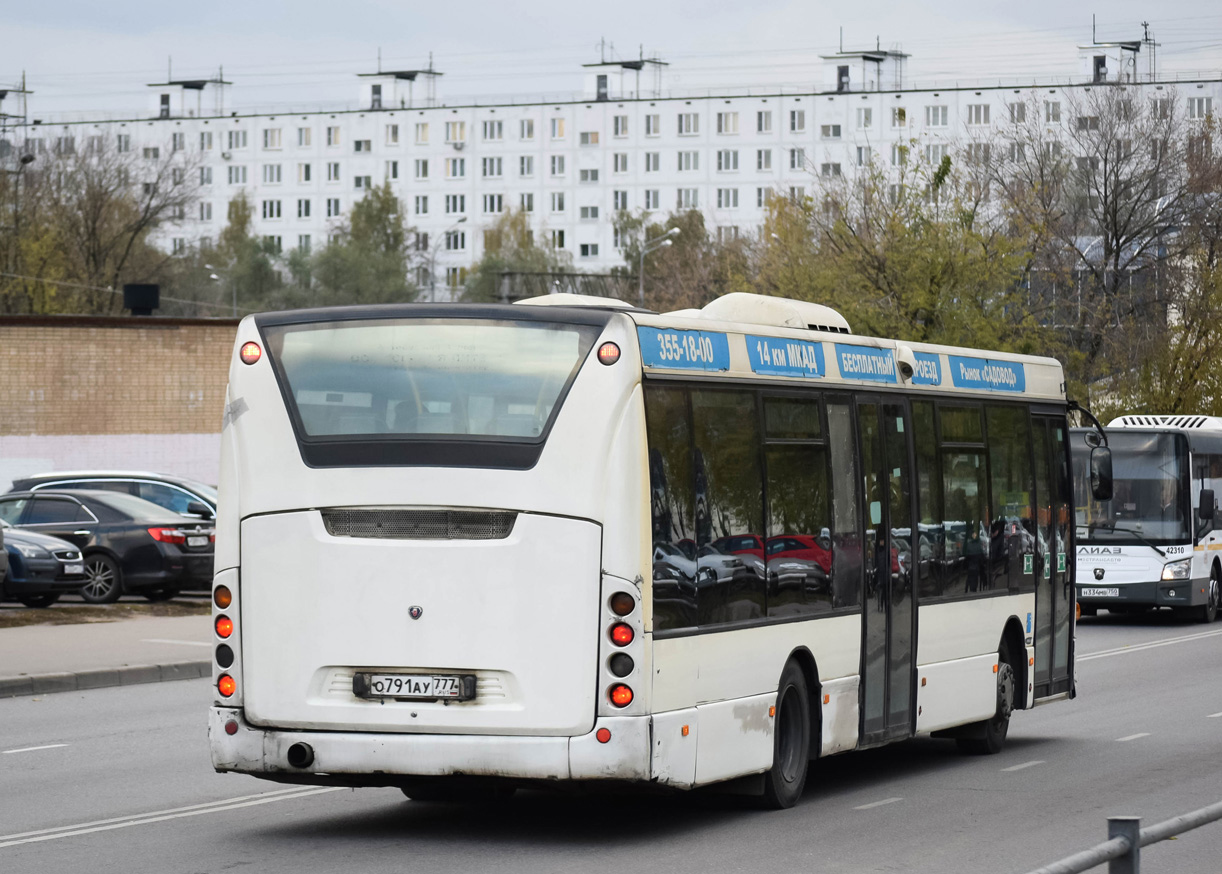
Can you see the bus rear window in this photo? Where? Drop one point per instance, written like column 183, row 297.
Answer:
column 427, row 379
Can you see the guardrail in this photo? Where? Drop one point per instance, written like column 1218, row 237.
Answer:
column 1126, row 837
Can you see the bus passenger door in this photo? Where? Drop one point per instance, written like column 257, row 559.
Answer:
column 888, row 615
column 1054, row 598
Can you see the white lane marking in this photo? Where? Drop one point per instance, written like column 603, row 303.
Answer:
column 32, row 749
column 179, row 642
column 67, row 831
column 1024, row 765
column 1153, row 644
column 861, row 807
column 1213, row 715
column 1121, row 740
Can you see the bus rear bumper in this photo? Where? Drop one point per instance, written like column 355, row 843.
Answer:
column 377, row 758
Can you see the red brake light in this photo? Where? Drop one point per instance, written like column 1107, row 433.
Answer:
column 224, row 626
column 226, row 685
column 621, row 695
column 168, row 535
column 608, row 353
column 250, row 353
column 621, row 634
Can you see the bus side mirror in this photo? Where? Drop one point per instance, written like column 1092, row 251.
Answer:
column 1101, row 473
column 1206, row 511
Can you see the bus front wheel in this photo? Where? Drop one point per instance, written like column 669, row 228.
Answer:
column 989, row 737
column 1209, row 611
column 784, row 782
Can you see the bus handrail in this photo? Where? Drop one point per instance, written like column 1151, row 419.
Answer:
column 1125, row 840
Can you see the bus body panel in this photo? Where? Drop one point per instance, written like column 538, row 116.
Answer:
column 518, row 613
column 736, row 738
column 956, row 693
column 951, row 630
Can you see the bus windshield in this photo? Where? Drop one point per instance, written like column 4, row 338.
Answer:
column 1151, row 490
column 427, row 378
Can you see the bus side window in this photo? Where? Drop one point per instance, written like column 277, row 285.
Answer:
column 672, row 507
column 846, row 513
column 930, row 546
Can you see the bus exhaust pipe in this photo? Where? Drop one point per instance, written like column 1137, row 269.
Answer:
column 301, row 755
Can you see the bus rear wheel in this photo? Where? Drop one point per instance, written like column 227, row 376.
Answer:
column 989, row 737
column 784, row 782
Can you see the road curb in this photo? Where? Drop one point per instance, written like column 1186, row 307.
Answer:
column 101, row 678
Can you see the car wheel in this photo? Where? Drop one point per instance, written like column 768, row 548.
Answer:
column 104, row 583
column 457, row 789
column 990, row 736
column 161, row 594
column 784, row 782
column 1209, row 612
column 38, row 600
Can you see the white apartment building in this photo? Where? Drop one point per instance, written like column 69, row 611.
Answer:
column 573, row 165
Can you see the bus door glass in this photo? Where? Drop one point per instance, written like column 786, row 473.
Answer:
column 888, row 614
column 1053, row 590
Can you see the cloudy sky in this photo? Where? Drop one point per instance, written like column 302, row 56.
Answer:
column 82, row 57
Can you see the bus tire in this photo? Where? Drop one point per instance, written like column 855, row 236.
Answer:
column 988, row 737
column 785, row 780
column 1209, row 611
column 457, row 789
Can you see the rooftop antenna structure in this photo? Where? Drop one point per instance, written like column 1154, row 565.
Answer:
column 1149, row 41
column 16, row 120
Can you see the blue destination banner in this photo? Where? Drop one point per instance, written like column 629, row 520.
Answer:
column 684, row 350
column 776, row 356
column 928, row 369
column 865, row 362
column 984, row 373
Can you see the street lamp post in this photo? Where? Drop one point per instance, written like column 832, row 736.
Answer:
column 22, row 162
column 651, row 246
column 233, row 286
column 436, row 248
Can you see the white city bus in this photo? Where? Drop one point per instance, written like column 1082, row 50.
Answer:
column 465, row 548
column 1156, row 542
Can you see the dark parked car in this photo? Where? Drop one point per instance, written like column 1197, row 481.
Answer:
column 130, row 546
column 184, row 496
column 40, row 568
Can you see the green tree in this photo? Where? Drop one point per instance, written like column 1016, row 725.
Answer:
column 368, row 259
column 510, row 248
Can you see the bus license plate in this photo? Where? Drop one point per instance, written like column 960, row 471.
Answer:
column 197, row 541
column 1094, row 592
column 423, row 686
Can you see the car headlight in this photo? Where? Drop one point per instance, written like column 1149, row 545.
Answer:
column 1177, row 570
column 30, row 551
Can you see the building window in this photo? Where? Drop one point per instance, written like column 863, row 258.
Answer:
column 303, row 243
column 797, row 159
column 689, row 123
column 899, row 116
column 797, row 193
column 303, row 137
column 589, row 175
column 978, row 153
column 303, row 208
column 494, row 203
column 1052, row 111
column 392, row 169
column 619, row 162
column 273, row 244
column 1017, row 152
column 934, row 153
column 727, row 122
column 237, row 139
column 1018, row 113
column 978, row 113
column 455, row 276
column 589, row 250
column 151, row 153
column 526, row 129
column 422, row 133
column 422, row 204
column 1088, row 122
column 422, row 168
column 456, row 203
column 829, row 170
column 763, row 122
column 527, row 202
column 456, row 168
column 494, row 130
column 1200, row 108
column 899, row 155
column 491, row 168
column 332, row 207
column 205, row 212
column 333, row 136
column 763, row 196
column 589, row 138
column 619, row 125
column 422, row 242
column 689, row 161
column 205, row 141
column 1161, row 107
column 271, row 174
column 797, row 120
column 829, row 131
column 589, row 212
column 526, row 165
column 271, row 138
column 237, row 175
column 865, row 117
column 362, row 145
column 178, row 141
column 653, row 162
column 557, row 128
column 763, row 159
column 456, row 241
column 727, row 160
column 727, row 198
column 653, row 125
column 620, row 199
column 557, row 163
column 271, row 209
column 557, row 201
column 688, row 198
column 558, row 239
column 303, row 172
column 653, row 198
column 205, row 175
column 456, row 131
column 177, row 174
column 618, row 238
column 333, row 171
column 863, row 156
column 935, row 116
column 179, row 246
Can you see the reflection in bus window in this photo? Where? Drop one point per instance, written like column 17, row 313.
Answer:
column 1012, row 530
column 846, row 541
column 672, row 507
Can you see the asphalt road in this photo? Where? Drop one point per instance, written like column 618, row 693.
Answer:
column 119, row 780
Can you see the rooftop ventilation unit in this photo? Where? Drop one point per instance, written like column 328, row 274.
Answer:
column 1188, row 423
column 779, row 312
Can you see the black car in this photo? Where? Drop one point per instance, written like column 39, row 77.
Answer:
column 130, row 546
column 40, row 568
column 185, row 496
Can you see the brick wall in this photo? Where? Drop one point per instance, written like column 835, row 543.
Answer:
column 112, row 392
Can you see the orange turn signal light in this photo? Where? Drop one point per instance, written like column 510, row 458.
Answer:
column 685, row 730
column 224, row 626
column 772, row 710
column 250, row 353
column 621, row 695
column 622, row 603
column 222, row 597
column 226, row 685
column 622, row 634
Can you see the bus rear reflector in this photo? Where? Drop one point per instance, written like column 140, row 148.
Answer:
column 224, row 626
column 250, row 353
column 226, row 685
column 621, row 695
column 603, row 735
column 231, row 727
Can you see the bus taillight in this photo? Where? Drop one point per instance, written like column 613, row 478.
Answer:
column 227, row 685
column 622, row 634
column 621, row 695
column 224, row 626
column 622, row 603
column 250, row 353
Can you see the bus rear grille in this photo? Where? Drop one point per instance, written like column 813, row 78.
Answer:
column 420, row 524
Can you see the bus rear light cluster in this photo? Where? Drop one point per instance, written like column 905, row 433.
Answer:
column 621, row 634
